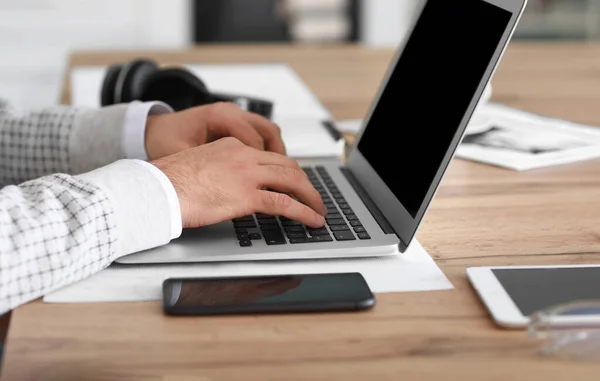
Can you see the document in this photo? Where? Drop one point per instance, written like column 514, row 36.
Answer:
column 519, row 140
column 413, row 270
column 297, row 110
column 309, row 138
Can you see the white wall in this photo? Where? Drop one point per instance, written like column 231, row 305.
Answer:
column 384, row 22
column 36, row 36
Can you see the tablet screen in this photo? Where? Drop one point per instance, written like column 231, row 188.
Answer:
column 534, row 289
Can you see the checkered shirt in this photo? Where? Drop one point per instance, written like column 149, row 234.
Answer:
column 55, row 229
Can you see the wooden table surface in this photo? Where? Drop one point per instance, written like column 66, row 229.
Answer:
column 482, row 216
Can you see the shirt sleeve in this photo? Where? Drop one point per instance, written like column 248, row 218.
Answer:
column 58, row 139
column 172, row 199
column 134, row 131
column 59, row 229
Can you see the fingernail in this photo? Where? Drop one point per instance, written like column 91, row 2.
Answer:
column 321, row 220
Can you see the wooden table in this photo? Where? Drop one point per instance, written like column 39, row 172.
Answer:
column 482, row 216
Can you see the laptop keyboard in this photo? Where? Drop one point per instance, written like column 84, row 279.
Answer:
column 341, row 222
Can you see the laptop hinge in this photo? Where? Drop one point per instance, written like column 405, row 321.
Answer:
column 370, row 204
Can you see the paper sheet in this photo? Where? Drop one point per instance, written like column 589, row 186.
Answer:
column 519, row 140
column 307, row 138
column 297, row 110
column 413, row 270
column 349, row 125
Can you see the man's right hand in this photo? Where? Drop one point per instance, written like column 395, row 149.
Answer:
column 226, row 179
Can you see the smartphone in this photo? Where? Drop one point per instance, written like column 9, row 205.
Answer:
column 267, row 294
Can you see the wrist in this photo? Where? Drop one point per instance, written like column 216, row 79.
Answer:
column 165, row 166
column 136, row 121
column 158, row 140
column 149, row 144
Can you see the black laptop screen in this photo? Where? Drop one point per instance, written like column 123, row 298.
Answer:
column 420, row 110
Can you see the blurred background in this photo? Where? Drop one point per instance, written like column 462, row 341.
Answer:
column 37, row 35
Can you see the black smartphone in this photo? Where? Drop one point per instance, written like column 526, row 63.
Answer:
column 267, row 294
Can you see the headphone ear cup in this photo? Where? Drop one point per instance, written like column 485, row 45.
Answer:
column 132, row 79
column 107, row 93
column 178, row 88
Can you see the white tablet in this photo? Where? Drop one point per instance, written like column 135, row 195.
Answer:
column 512, row 293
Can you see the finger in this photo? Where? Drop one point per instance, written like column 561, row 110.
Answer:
column 280, row 204
column 294, row 182
column 235, row 126
column 270, row 132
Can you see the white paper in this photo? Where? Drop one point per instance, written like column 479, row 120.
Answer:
column 296, row 109
column 307, row 138
column 519, row 140
column 277, row 82
column 413, row 270
column 349, row 125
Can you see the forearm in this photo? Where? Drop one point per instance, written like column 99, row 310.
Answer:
column 59, row 140
column 59, row 229
column 53, row 231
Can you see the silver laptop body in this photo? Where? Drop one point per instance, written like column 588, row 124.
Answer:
column 378, row 198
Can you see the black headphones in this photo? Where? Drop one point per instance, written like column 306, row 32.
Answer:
column 143, row 80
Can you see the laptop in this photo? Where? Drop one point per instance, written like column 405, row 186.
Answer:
column 378, row 197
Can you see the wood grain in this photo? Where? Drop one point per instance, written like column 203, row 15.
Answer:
column 482, row 216
column 4, row 322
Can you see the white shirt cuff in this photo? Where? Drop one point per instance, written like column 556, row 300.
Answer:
column 173, row 200
column 134, row 136
column 140, row 205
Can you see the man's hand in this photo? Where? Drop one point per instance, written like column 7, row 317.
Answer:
column 228, row 179
column 167, row 134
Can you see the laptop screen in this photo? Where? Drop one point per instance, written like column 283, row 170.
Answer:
column 428, row 93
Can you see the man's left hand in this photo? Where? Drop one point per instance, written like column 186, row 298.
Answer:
column 167, row 134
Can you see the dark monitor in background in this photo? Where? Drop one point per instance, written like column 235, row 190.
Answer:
column 238, row 21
